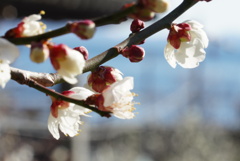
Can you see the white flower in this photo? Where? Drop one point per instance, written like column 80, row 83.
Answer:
column 8, row 54
column 190, row 53
column 68, row 62
column 32, row 26
column 118, row 98
column 66, row 116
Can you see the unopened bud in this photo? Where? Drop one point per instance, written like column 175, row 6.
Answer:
column 83, row 51
column 39, row 52
column 102, row 77
column 134, row 53
column 157, row 6
column 143, row 14
column 136, row 25
column 179, row 33
column 84, row 29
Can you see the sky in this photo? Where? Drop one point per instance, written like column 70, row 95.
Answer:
column 220, row 17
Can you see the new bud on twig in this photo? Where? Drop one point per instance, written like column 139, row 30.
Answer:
column 39, row 52
column 84, row 29
column 134, row 53
column 140, row 12
column 157, row 6
column 179, row 33
column 102, row 77
column 136, row 25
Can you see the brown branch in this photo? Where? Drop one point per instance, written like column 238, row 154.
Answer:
column 44, row 79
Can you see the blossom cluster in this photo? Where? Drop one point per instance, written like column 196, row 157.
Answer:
column 106, row 89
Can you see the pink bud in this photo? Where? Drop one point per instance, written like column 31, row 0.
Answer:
column 84, row 29
column 102, row 77
column 39, row 52
column 83, row 51
column 136, row 25
column 134, row 53
column 179, row 33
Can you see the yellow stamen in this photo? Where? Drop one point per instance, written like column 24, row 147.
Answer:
column 42, row 12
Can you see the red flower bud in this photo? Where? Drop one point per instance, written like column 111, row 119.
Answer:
column 136, row 25
column 134, row 53
column 102, row 77
column 179, row 33
column 83, row 51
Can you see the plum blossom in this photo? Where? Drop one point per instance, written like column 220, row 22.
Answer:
column 117, row 99
column 68, row 62
column 32, row 26
column 65, row 115
column 186, row 44
column 8, row 54
column 29, row 26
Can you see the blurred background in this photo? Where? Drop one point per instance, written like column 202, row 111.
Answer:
column 184, row 115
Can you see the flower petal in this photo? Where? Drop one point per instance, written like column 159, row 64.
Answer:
column 169, row 55
column 5, row 75
column 53, row 126
column 8, row 51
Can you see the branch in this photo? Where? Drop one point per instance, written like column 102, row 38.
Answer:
column 165, row 22
column 22, row 77
column 44, row 79
column 37, row 80
column 115, row 18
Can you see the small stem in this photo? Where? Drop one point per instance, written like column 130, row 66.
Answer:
column 44, row 36
column 115, row 18
column 57, row 95
column 140, row 36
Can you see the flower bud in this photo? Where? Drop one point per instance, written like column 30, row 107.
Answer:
column 29, row 26
column 68, row 62
column 143, row 14
column 179, row 33
column 102, row 77
column 84, row 29
column 83, row 51
column 157, row 6
column 136, row 25
column 39, row 52
column 134, row 53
